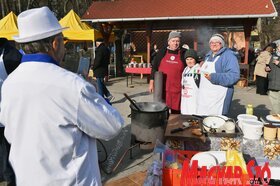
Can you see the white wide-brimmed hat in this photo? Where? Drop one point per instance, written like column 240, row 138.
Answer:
column 36, row 24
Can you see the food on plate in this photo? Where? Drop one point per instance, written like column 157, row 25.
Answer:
column 175, row 144
column 276, row 116
column 271, row 149
column 230, row 144
column 193, row 122
column 197, row 132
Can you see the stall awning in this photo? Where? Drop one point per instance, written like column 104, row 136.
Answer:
column 79, row 31
column 8, row 26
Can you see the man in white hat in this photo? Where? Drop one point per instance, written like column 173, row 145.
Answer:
column 220, row 72
column 52, row 116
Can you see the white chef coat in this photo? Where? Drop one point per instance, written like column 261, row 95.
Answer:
column 189, row 90
column 52, row 117
column 211, row 96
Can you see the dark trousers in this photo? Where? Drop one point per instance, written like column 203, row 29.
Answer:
column 7, row 176
column 101, row 88
column 261, row 85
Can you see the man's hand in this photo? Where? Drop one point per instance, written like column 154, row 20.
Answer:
column 276, row 62
column 151, row 86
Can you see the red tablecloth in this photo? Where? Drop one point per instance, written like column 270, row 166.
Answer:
column 138, row 70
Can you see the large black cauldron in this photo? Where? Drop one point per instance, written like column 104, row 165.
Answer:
column 148, row 123
column 151, row 114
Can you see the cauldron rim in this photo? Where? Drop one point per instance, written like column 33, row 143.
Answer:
column 165, row 108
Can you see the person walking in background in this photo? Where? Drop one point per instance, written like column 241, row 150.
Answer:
column 10, row 58
column 220, row 71
column 260, row 75
column 100, row 68
column 154, row 52
column 190, row 83
column 273, row 69
column 132, row 49
column 52, row 116
column 170, row 61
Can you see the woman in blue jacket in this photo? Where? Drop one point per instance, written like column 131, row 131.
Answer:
column 220, row 72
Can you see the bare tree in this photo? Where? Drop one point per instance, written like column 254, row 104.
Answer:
column 269, row 28
column 60, row 7
column 2, row 8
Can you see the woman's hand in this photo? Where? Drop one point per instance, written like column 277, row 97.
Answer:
column 267, row 69
column 207, row 76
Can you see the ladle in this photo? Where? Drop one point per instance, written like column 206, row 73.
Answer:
column 131, row 101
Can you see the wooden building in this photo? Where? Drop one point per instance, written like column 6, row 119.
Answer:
column 199, row 18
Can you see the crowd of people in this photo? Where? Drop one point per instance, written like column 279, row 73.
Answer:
column 206, row 87
column 267, row 74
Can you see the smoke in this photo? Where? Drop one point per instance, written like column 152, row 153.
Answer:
column 204, row 34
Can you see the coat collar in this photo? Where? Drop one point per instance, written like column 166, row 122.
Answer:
column 44, row 58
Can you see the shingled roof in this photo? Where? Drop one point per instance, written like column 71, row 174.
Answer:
column 139, row 10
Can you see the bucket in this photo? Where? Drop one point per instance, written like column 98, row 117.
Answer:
column 270, row 132
column 252, row 129
column 245, row 117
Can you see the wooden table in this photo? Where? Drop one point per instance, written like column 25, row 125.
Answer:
column 135, row 179
column 131, row 71
column 186, row 136
column 176, row 121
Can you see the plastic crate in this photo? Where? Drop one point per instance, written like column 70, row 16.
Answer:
column 172, row 177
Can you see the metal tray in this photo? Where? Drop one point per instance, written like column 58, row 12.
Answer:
column 238, row 132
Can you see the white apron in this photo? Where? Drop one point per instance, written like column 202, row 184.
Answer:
column 211, row 97
column 189, row 90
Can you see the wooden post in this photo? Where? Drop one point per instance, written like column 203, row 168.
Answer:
column 247, row 32
column 195, row 43
column 148, row 36
column 244, row 67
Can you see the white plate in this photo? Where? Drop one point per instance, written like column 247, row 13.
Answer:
column 210, row 158
column 271, row 118
column 205, row 159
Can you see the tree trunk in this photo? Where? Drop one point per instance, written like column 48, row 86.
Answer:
column 28, row 4
column 2, row 8
column 19, row 5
